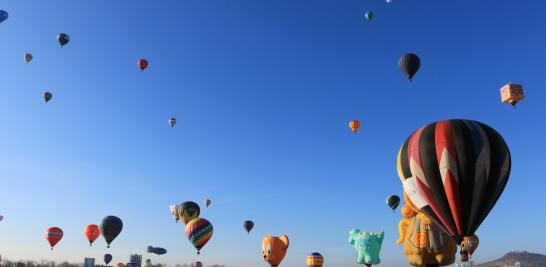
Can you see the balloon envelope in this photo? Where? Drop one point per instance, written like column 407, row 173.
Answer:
column 92, row 232
column 142, row 64
column 248, row 225
column 471, row 243
column 172, row 122
column 207, row 202
column 47, row 96
column 3, row 15
column 409, row 64
column 28, row 57
column 354, row 125
column 1, row 218
column 315, row 260
column 199, row 231
column 110, row 227
column 63, row 39
column 393, row 201
column 454, row 171
column 368, row 15
column 107, row 258
column 53, row 235
column 188, row 211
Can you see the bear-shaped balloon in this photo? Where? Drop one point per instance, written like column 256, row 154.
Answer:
column 274, row 249
column 367, row 245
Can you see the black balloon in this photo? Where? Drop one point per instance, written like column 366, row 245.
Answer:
column 248, row 226
column 63, row 39
column 409, row 64
column 110, row 227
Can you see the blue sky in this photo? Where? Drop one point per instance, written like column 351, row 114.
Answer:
column 263, row 92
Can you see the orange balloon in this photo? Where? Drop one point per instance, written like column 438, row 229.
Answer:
column 471, row 243
column 354, row 125
column 92, row 232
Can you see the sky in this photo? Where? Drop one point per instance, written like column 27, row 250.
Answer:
column 262, row 92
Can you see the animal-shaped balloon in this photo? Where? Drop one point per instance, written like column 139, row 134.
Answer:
column 367, row 245
column 425, row 244
column 274, row 249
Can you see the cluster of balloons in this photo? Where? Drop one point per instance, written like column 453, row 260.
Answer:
column 198, row 230
column 110, row 228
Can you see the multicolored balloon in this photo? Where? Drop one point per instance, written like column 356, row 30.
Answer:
column 471, row 243
column 199, row 231
column 188, row 211
column 53, row 235
column 110, row 227
column 92, row 232
column 454, row 171
column 315, row 260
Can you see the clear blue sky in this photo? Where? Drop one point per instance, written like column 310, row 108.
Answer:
column 263, row 91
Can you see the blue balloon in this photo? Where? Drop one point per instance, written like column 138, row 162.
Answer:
column 3, row 15
column 107, row 258
column 156, row 250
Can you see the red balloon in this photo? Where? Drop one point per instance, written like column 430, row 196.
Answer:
column 53, row 235
column 92, row 232
column 142, row 63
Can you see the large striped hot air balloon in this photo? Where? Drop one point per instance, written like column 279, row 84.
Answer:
column 454, row 171
column 315, row 260
column 199, row 231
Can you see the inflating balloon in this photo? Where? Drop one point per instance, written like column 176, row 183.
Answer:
column 354, row 125
column 28, row 57
column 367, row 246
column 248, row 225
column 368, row 15
column 393, row 201
column 3, row 15
column 207, row 202
column 409, row 64
column 92, row 232
column 188, row 211
column 53, row 235
column 63, row 39
column 110, row 227
column 315, row 260
column 199, row 231
column 454, row 171
column 512, row 93
column 142, row 64
column 107, row 259
column 274, row 249
column 172, row 122
column 47, row 96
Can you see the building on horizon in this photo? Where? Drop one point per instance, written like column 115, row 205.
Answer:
column 135, row 260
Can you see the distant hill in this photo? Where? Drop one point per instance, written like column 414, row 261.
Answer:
column 526, row 259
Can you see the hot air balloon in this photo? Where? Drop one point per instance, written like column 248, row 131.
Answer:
column 512, row 93
column 47, row 96
column 92, row 232
column 174, row 212
column 367, row 246
column 119, row 264
column 368, row 15
column 110, row 227
column 354, row 125
column 1, row 218
column 53, row 235
column 388, row 1
column 274, row 249
column 188, row 211
column 172, row 122
column 207, row 202
column 248, row 225
column 393, row 201
column 28, row 57
column 409, row 64
column 315, row 260
column 471, row 244
column 107, row 258
column 142, row 64
column 3, row 15
column 197, row 264
column 156, row 250
column 454, row 171
column 63, row 39
column 199, row 231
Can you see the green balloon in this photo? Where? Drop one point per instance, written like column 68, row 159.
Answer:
column 368, row 15
column 367, row 246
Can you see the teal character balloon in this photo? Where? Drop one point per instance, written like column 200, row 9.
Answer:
column 367, row 245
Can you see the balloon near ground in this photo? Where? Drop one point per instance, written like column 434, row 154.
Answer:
column 92, row 232
column 197, row 264
column 199, row 232
column 248, row 225
column 188, row 211
column 110, row 227
column 53, row 235
column 367, row 246
column 454, row 171
column 409, row 64
column 107, row 258
column 274, row 249
column 63, row 39
column 315, row 260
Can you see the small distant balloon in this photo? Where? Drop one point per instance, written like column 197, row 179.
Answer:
column 172, row 122
column 3, row 15
column 248, row 225
column 368, row 15
column 207, row 202
column 63, row 39
column 47, row 96
column 107, row 258
column 1, row 218
column 409, row 64
column 354, row 125
column 28, row 57
column 53, row 235
column 142, row 64
column 393, row 201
